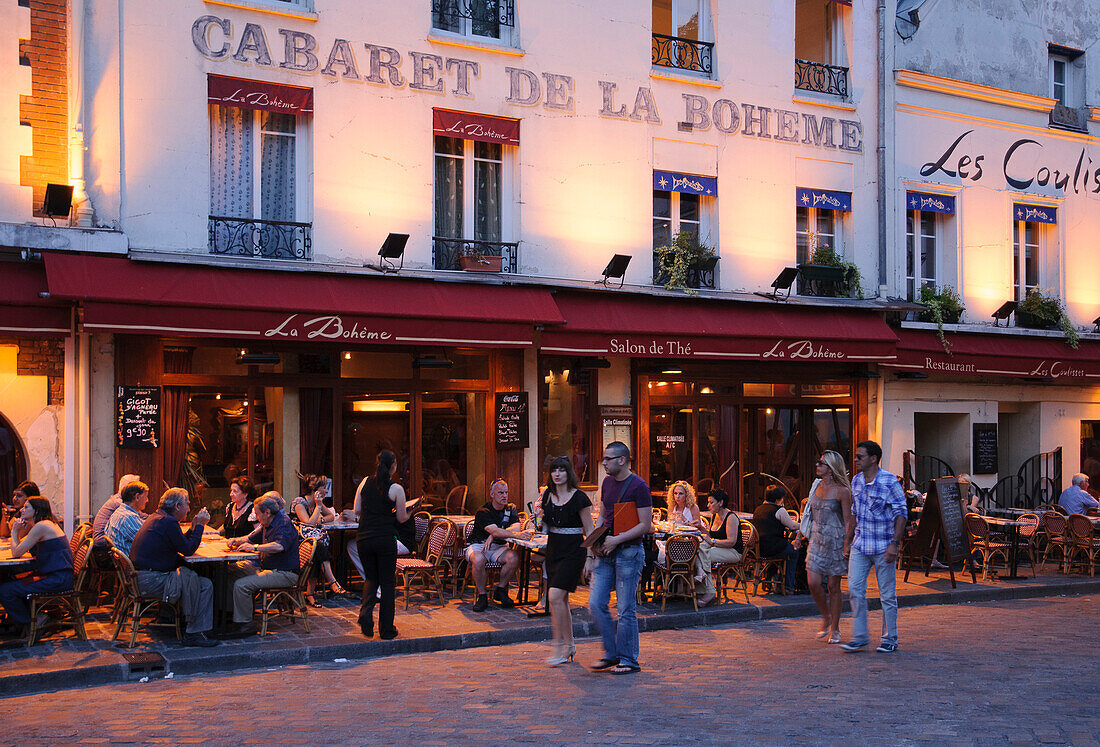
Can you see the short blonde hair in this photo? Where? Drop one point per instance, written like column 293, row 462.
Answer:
column 688, row 490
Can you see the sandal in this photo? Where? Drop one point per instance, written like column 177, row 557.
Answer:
column 603, row 664
column 624, row 669
column 312, row 601
column 337, row 589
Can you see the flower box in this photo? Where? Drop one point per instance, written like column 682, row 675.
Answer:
column 481, row 263
column 1027, row 320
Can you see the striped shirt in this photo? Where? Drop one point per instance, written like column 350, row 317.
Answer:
column 123, row 527
column 875, row 507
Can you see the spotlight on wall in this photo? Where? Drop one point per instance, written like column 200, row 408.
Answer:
column 782, row 282
column 1003, row 313
column 58, row 201
column 616, row 268
column 247, row 357
column 1096, row 324
column 587, row 364
column 868, row 375
column 431, row 361
column 912, row 375
column 392, row 248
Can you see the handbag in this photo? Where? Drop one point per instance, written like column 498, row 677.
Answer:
column 807, row 524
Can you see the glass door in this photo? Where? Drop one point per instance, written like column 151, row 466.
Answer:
column 371, row 423
column 670, row 446
column 771, row 452
column 452, row 441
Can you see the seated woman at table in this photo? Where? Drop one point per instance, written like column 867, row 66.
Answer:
column 830, row 517
column 19, row 496
column 53, row 560
column 721, row 543
column 683, row 506
column 311, row 513
column 239, row 519
column 567, row 516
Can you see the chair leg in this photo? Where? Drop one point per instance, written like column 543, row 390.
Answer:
column 78, row 619
column 263, row 613
column 305, row 611
column 32, row 628
column 134, row 624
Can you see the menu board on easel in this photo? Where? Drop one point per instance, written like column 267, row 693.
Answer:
column 138, row 417
column 985, row 449
column 512, row 420
column 941, row 525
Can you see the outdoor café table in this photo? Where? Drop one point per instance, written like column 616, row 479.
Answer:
column 7, row 561
column 1014, row 547
column 537, row 544
column 214, row 556
column 338, row 542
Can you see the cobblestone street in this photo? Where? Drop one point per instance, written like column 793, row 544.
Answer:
column 983, row 673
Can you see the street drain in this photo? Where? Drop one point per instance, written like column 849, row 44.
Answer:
column 145, row 665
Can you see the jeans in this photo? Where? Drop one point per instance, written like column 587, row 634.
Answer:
column 621, row 571
column 859, row 567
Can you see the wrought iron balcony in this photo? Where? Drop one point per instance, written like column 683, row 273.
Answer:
column 493, row 11
column 684, row 54
column 821, row 78
column 252, row 237
column 446, row 252
column 702, row 275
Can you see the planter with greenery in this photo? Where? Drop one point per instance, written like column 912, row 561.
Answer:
column 817, row 279
column 471, row 260
column 1041, row 310
column 681, row 264
column 944, row 307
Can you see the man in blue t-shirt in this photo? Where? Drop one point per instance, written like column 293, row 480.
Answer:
column 616, row 561
column 276, row 540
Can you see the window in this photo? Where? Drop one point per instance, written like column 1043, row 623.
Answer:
column 921, row 253
column 817, row 227
column 820, row 47
column 568, row 397
column 491, row 19
column 469, row 185
column 1066, row 72
column 256, row 166
column 1059, row 67
column 1026, row 248
column 682, row 34
column 674, row 212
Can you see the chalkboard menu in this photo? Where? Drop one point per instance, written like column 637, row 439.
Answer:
column 941, row 524
column 138, row 421
column 985, row 448
column 952, row 527
column 512, row 420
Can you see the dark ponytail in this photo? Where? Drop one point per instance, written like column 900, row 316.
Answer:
column 384, row 476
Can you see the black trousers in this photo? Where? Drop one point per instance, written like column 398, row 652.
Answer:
column 379, row 558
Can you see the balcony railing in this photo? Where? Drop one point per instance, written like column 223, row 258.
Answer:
column 252, row 237
column 498, row 11
column 698, row 276
column 446, row 252
column 684, row 54
column 821, row 78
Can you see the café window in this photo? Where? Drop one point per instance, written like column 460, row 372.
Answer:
column 682, row 35
column 488, row 19
column 1031, row 237
column 921, row 238
column 684, row 204
column 566, row 415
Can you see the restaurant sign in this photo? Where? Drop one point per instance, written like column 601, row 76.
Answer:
column 976, row 356
column 762, row 349
column 260, row 95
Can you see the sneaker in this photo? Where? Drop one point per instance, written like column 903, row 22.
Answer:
column 481, row 604
column 887, row 648
column 500, row 596
column 851, row 647
column 198, row 639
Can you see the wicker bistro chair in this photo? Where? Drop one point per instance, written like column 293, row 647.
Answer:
column 983, row 543
column 289, row 600
column 492, row 567
column 763, row 567
column 422, row 520
column 452, row 556
column 131, row 605
column 65, row 602
column 429, row 569
column 83, row 530
column 455, row 502
column 740, row 571
column 678, row 572
column 1054, row 527
column 1082, row 541
column 1029, row 537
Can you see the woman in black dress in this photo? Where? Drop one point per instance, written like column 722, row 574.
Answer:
column 239, row 521
column 379, row 499
column 566, row 511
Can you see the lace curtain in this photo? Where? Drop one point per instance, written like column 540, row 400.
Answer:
column 487, row 185
column 277, row 166
column 231, row 162
column 448, row 187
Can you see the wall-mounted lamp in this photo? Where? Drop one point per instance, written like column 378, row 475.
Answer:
column 868, row 375
column 616, row 268
column 1003, row 313
column 591, row 363
column 912, row 375
column 392, row 248
column 782, row 282
column 1096, row 324
column 58, row 201
column 247, row 357
column 431, row 361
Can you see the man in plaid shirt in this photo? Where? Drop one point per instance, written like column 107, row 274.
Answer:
column 878, row 506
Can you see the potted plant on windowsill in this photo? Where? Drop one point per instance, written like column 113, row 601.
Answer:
column 944, row 307
column 828, row 274
column 471, row 259
column 681, row 264
column 1041, row 310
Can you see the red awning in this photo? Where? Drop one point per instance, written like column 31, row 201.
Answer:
column 22, row 310
column 193, row 300
column 606, row 324
column 1001, row 354
column 257, row 94
column 469, row 126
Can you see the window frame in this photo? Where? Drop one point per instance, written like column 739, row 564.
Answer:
column 1020, row 287
column 676, row 218
column 507, row 35
column 838, row 243
column 915, row 281
column 469, row 189
column 546, row 363
column 705, row 31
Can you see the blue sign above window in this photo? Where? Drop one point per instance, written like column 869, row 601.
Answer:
column 930, row 202
column 823, row 199
column 1034, row 213
column 670, row 181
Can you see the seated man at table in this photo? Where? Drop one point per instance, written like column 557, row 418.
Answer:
column 126, row 522
column 276, row 540
column 99, row 524
column 1075, row 499
column 494, row 524
column 772, row 522
column 158, row 553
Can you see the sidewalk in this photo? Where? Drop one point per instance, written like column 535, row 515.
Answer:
column 63, row 662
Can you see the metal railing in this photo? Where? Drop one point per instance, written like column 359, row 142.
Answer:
column 698, row 276
column 252, row 237
column 919, row 469
column 821, row 78
column 683, row 54
column 446, row 252
column 491, row 11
